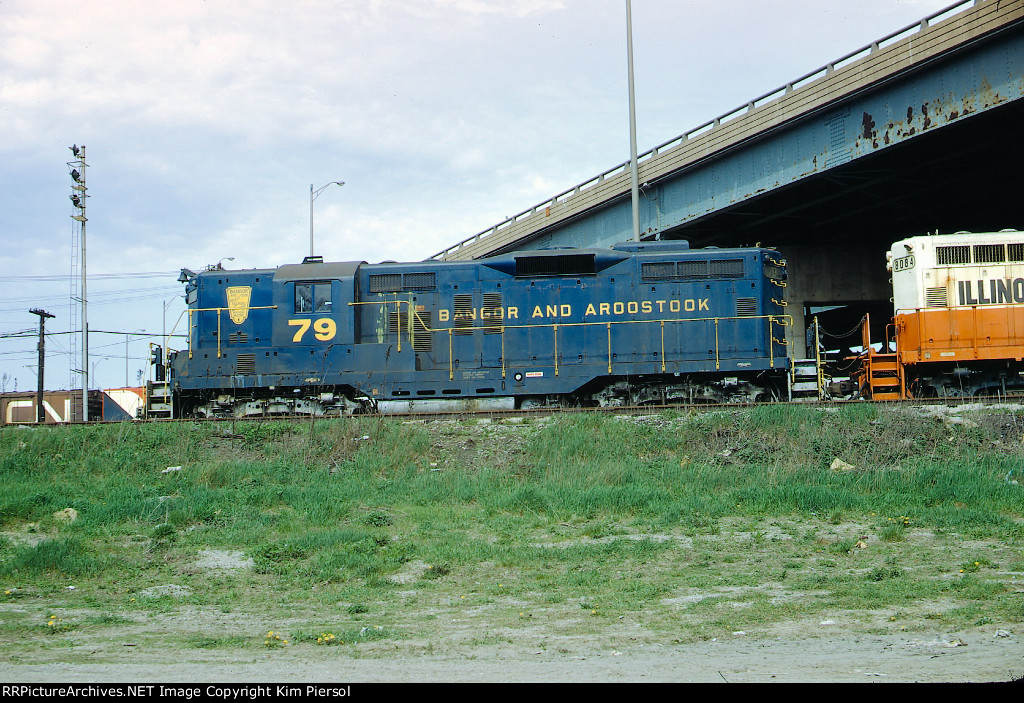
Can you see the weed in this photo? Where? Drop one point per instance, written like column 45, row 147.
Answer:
column 218, row 642
column 56, row 624
column 882, row 573
column 336, row 636
column 436, row 571
column 976, row 565
column 895, row 530
column 843, row 546
column 378, row 518
column 163, row 532
column 274, row 640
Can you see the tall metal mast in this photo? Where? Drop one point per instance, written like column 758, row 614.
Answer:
column 78, row 197
column 632, row 125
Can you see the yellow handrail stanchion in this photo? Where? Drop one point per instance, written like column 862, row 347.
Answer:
column 663, row 346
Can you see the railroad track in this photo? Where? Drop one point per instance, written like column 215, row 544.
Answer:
column 993, row 401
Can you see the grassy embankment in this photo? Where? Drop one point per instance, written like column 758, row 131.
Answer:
column 692, row 526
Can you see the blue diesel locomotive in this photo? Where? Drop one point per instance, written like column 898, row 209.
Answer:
column 640, row 323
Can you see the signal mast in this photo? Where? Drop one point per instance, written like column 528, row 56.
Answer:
column 78, row 197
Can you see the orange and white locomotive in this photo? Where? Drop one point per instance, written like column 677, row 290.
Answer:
column 958, row 329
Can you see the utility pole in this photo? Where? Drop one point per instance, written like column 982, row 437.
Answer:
column 40, row 414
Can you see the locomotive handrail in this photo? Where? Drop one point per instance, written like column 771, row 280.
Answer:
column 191, row 324
column 397, row 302
column 780, row 320
column 413, row 314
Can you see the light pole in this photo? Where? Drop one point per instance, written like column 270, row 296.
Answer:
column 219, row 266
column 313, row 194
column 163, row 327
column 632, row 125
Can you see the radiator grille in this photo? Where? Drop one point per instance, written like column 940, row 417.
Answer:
column 727, row 268
column 989, row 254
column 700, row 268
column 693, row 269
column 419, row 281
column 947, row 256
column 385, row 283
column 659, row 270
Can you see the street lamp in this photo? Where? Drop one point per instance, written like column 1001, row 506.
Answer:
column 313, row 194
column 219, row 266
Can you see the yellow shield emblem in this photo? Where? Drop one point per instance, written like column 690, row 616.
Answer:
column 238, row 303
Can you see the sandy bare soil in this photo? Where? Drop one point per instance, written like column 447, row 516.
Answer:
column 831, row 659
column 820, row 652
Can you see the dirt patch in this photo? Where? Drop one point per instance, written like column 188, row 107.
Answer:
column 809, row 652
column 219, row 559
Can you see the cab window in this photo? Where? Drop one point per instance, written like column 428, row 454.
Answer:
column 312, row 297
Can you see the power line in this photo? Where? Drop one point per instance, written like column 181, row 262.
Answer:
column 97, row 276
column 114, row 291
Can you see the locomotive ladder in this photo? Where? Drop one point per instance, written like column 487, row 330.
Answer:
column 881, row 373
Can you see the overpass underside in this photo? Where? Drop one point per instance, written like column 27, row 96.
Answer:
column 920, row 135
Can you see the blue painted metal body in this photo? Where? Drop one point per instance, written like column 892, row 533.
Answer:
column 529, row 324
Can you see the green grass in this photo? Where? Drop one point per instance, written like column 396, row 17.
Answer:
column 397, row 521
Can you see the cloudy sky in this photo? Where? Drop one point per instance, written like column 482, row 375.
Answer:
column 206, row 122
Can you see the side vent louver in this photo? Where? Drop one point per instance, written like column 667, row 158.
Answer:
column 398, row 326
column 462, row 319
column 746, row 307
column 493, row 313
column 246, row 364
column 936, row 297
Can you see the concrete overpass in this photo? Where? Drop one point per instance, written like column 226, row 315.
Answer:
column 918, row 131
